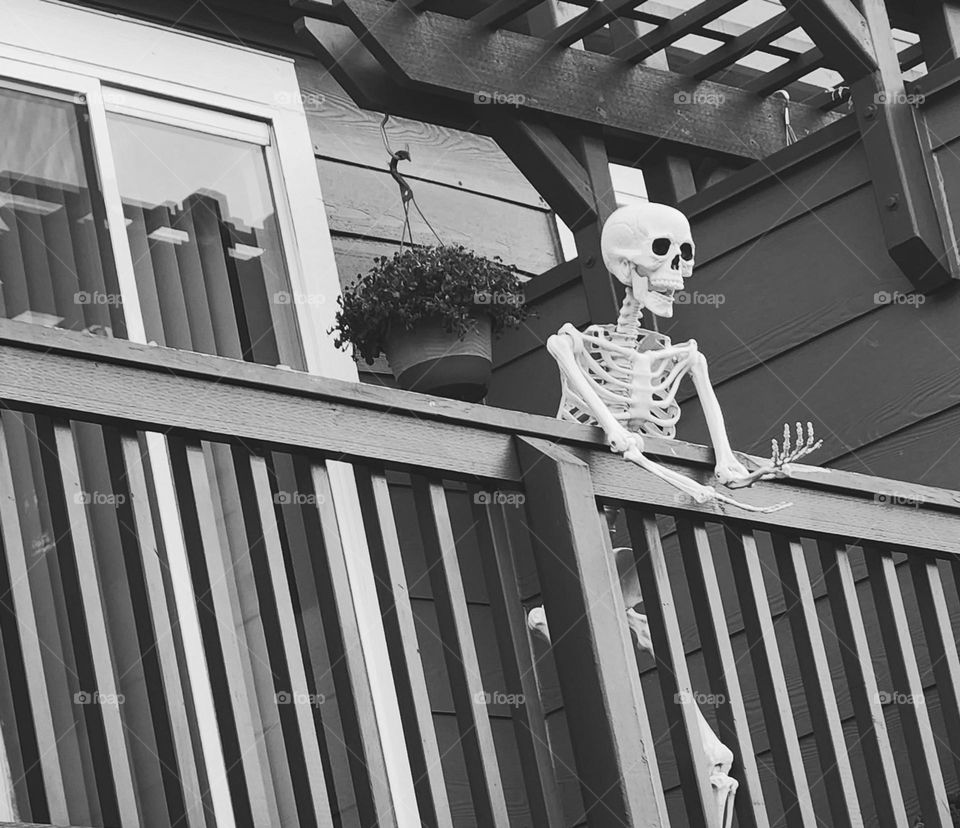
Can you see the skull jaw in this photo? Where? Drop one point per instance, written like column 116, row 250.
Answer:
column 659, row 304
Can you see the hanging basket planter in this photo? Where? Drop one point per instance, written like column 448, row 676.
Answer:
column 434, row 312
column 432, row 360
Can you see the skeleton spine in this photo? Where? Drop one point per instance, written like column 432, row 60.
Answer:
column 629, row 322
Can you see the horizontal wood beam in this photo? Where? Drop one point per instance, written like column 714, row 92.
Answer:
column 80, row 377
column 501, row 12
column 435, row 54
column 788, row 73
column 596, row 17
column 841, row 33
column 670, row 32
column 737, row 48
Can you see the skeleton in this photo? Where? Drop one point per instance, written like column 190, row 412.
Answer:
column 718, row 757
column 625, row 379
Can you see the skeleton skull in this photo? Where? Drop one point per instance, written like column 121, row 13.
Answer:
column 649, row 248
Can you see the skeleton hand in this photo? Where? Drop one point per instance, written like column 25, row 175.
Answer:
column 778, row 466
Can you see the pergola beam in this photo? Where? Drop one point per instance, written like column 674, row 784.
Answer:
column 750, row 41
column 502, row 12
column 596, row 17
column 437, row 55
column 788, row 73
column 671, row 31
column 841, row 33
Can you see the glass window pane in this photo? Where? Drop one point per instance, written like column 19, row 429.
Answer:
column 56, row 263
column 205, row 241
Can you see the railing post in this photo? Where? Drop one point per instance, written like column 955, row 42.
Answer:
column 596, row 666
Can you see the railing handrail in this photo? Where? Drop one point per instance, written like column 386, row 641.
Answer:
column 84, row 377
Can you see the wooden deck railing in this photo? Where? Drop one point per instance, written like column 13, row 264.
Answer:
column 819, row 641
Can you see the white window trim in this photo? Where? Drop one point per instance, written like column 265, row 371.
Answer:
column 47, row 42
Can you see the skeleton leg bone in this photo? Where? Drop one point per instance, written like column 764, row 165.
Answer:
column 719, row 757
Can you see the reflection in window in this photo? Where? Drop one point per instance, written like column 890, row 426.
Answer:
column 56, row 265
column 203, row 232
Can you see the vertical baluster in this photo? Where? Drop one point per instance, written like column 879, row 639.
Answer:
column 595, row 661
column 401, row 631
column 905, row 677
column 248, row 766
column 179, row 707
column 463, row 665
column 509, row 619
column 281, row 612
column 128, row 800
column 350, row 672
column 771, row 684
column 721, row 666
column 678, row 696
column 51, row 755
column 864, row 696
column 817, row 682
column 941, row 645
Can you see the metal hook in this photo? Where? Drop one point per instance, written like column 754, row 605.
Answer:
column 790, row 135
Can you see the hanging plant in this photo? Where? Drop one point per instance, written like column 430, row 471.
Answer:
column 449, row 285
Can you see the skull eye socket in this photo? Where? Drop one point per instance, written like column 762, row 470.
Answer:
column 686, row 251
column 661, row 246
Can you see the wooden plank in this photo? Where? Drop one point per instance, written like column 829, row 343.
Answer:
column 442, row 55
column 350, row 673
column 841, row 33
column 50, row 757
column 463, row 668
column 768, row 669
column 179, row 707
column 722, row 666
column 501, row 12
column 672, row 30
column 678, row 694
column 594, row 655
column 820, row 696
column 127, row 793
column 938, row 23
column 941, row 644
column 401, row 631
column 341, row 131
column 312, row 804
column 509, row 615
column 595, row 17
column 550, row 166
column 788, row 73
column 366, row 203
column 741, row 46
column 906, row 686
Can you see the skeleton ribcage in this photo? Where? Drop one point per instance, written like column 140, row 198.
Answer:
column 639, row 389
